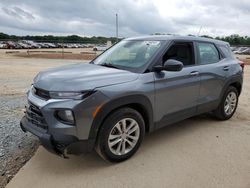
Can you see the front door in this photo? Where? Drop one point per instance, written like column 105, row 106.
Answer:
column 176, row 93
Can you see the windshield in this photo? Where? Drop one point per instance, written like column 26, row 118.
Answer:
column 129, row 55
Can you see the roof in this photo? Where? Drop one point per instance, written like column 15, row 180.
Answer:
column 176, row 37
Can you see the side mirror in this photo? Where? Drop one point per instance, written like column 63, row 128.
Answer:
column 173, row 65
column 169, row 65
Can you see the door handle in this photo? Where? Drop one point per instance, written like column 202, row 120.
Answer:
column 194, row 73
column 226, row 68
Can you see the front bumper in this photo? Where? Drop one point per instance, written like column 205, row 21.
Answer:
column 64, row 144
column 56, row 136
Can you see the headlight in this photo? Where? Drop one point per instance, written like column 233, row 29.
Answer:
column 66, row 116
column 69, row 95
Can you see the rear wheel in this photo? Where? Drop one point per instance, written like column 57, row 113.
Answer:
column 228, row 104
column 121, row 135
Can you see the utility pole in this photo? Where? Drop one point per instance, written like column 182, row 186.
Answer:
column 116, row 20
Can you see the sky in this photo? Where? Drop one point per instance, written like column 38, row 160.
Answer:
column 136, row 17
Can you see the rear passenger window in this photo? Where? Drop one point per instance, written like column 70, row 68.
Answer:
column 207, row 53
column 226, row 51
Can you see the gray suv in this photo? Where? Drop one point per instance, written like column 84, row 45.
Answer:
column 137, row 86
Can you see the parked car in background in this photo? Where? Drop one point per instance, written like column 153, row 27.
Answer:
column 29, row 44
column 246, row 51
column 51, row 45
column 24, row 45
column 45, row 45
column 3, row 45
column 138, row 85
column 234, row 48
column 90, row 45
column 11, row 45
column 240, row 50
column 100, row 48
column 32, row 44
column 83, row 46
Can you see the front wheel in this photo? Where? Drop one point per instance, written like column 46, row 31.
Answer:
column 228, row 104
column 120, row 135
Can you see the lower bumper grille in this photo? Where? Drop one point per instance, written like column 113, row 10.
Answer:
column 34, row 116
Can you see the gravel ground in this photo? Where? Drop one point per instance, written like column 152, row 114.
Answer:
column 16, row 147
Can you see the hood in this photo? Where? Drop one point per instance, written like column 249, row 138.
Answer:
column 81, row 77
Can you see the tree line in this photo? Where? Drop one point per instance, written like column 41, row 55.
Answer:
column 60, row 39
column 232, row 39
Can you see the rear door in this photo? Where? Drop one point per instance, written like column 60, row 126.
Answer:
column 176, row 93
column 213, row 73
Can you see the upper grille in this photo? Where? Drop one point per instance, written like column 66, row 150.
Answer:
column 41, row 93
column 34, row 116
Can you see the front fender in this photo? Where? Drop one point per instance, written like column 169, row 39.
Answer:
column 110, row 106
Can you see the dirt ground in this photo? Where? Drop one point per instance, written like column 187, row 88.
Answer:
column 69, row 53
column 245, row 58
column 56, row 53
column 198, row 152
column 16, row 75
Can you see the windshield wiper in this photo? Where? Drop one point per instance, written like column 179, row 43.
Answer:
column 109, row 65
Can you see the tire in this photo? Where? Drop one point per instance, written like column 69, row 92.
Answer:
column 111, row 132
column 221, row 113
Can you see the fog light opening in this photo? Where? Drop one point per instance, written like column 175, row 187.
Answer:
column 65, row 116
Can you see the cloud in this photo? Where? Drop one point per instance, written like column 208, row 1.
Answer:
column 136, row 17
column 18, row 12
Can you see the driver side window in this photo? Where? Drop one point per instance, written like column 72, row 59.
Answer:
column 181, row 51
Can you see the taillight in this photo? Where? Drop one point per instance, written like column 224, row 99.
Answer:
column 242, row 64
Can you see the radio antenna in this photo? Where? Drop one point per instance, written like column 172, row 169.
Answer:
column 198, row 34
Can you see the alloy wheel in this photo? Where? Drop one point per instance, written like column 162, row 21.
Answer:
column 123, row 136
column 230, row 103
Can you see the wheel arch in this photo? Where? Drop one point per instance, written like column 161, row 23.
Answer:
column 237, row 85
column 235, row 81
column 138, row 102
